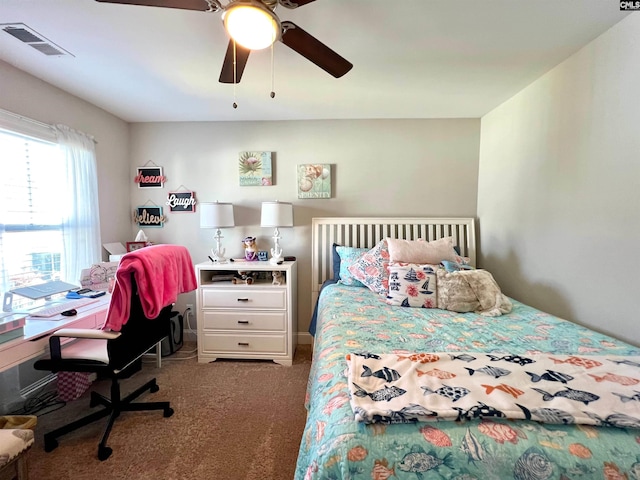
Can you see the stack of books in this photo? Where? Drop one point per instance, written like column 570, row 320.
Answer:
column 11, row 326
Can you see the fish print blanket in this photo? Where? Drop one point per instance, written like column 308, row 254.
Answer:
column 561, row 389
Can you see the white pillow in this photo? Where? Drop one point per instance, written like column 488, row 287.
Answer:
column 412, row 285
column 419, row 251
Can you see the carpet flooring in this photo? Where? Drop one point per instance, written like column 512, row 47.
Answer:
column 233, row 420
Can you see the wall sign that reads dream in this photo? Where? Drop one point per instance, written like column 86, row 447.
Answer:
column 150, row 177
column 181, row 202
column 149, row 216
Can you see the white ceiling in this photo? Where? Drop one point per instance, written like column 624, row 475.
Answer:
column 412, row 58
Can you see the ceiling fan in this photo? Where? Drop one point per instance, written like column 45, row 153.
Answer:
column 250, row 16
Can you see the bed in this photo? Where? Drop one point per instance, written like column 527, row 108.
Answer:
column 356, row 321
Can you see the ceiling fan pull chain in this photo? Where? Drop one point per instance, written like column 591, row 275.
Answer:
column 235, row 71
column 273, row 93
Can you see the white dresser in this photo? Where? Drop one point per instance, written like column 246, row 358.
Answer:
column 255, row 321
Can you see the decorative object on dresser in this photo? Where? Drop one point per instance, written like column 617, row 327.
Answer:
column 276, row 214
column 278, row 278
column 247, row 278
column 217, row 215
column 246, row 321
column 250, row 249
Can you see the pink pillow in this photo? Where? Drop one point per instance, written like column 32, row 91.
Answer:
column 371, row 268
column 421, row 252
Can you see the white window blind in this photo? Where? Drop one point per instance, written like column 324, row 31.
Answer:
column 38, row 215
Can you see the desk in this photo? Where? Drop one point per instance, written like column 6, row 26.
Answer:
column 35, row 340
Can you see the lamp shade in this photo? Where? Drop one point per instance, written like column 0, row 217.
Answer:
column 251, row 24
column 276, row 214
column 216, row 215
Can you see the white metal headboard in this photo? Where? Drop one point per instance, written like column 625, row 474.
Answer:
column 367, row 232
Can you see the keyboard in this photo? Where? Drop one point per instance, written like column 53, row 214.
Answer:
column 57, row 308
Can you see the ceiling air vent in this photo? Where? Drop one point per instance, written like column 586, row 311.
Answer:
column 34, row 39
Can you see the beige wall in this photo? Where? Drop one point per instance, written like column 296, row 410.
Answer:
column 28, row 96
column 559, row 187
column 380, row 168
column 556, row 182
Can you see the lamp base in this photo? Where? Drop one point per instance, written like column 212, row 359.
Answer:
column 218, row 257
column 276, row 260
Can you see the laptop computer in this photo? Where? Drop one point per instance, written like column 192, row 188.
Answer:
column 43, row 290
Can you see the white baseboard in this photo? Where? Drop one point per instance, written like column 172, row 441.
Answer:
column 305, row 338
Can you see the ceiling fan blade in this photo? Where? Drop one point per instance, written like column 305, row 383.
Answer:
column 314, row 50
column 200, row 5
column 242, row 55
column 294, row 3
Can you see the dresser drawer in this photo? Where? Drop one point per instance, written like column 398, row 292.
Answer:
column 230, row 343
column 244, row 298
column 245, row 320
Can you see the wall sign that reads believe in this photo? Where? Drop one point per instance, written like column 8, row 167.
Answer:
column 150, row 177
column 149, row 216
column 181, row 202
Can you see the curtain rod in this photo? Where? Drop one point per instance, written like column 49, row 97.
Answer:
column 36, row 122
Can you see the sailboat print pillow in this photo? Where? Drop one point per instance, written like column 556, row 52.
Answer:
column 412, row 285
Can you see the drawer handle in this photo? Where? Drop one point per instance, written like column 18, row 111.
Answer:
column 243, row 344
column 245, row 322
column 243, row 299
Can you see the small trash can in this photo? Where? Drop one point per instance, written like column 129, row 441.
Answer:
column 71, row 385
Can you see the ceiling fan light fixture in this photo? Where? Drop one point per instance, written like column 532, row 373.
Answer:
column 251, row 24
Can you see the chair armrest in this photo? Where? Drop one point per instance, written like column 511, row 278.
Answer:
column 54, row 339
column 86, row 333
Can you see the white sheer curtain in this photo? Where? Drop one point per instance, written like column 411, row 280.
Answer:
column 81, row 227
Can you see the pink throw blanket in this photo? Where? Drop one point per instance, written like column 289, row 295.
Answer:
column 161, row 273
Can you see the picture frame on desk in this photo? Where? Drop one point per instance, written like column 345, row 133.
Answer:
column 133, row 246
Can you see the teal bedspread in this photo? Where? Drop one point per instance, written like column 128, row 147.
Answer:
column 356, row 320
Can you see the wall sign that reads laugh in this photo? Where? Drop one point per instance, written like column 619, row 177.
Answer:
column 181, row 202
column 149, row 216
column 150, row 177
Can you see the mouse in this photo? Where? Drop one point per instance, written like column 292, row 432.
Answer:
column 70, row 313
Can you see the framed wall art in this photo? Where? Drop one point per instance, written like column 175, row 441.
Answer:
column 314, row 180
column 149, row 216
column 255, row 169
column 132, row 246
column 181, row 202
column 150, row 177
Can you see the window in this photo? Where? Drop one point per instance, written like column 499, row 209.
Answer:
column 41, row 238
column 31, row 234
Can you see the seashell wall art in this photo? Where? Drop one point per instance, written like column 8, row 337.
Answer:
column 314, row 180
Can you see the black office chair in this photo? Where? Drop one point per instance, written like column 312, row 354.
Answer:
column 109, row 355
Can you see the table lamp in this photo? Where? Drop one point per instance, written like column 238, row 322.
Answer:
column 217, row 215
column 276, row 214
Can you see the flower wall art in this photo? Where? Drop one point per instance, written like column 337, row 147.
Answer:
column 255, row 169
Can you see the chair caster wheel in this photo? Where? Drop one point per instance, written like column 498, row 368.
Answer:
column 168, row 412
column 104, row 453
column 154, row 388
column 50, row 445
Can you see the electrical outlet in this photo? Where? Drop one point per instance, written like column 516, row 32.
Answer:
column 190, row 307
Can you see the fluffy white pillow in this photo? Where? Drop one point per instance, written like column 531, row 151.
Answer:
column 419, row 251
